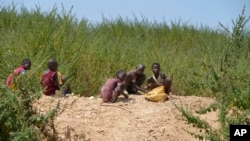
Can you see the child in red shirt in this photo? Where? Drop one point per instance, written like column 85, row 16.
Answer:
column 113, row 87
column 52, row 80
column 25, row 65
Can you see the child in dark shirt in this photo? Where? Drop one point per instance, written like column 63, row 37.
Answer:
column 135, row 79
column 159, row 80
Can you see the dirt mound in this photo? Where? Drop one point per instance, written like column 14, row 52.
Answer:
column 134, row 119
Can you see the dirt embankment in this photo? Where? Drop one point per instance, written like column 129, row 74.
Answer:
column 135, row 119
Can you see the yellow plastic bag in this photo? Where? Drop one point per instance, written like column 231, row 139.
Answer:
column 156, row 95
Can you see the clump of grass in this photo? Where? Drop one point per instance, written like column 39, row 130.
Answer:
column 196, row 121
column 211, row 107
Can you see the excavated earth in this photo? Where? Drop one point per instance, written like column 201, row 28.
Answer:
column 133, row 119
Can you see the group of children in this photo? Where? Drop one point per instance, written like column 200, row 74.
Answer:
column 51, row 80
column 158, row 86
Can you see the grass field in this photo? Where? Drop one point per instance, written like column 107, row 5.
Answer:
column 91, row 54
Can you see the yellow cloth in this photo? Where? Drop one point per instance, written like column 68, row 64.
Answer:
column 156, row 95
column 13, row 86
column 59, row 78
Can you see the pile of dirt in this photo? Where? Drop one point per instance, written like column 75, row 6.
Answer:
column 133, row 119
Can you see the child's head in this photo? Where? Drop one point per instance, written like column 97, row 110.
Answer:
column 156, row 68
column 140, row 69
column 26, row 63
column 121, row 74
column 52, row 64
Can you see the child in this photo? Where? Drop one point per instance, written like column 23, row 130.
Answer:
column 52, row 81
column 158, row 85
column 113, row 87
column 25, row 65
column 135, row 79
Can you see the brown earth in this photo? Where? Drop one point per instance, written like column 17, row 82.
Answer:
column 134, row 119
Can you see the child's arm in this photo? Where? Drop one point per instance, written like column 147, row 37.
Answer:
column 122, row 89
column 151, row 83
column 152, row 86
column 140, row 88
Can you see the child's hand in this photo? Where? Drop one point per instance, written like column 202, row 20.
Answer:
column 170, row 97
column 125, row 92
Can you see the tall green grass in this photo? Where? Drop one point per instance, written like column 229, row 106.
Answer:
column 92, row 53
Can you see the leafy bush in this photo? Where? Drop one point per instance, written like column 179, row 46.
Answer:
column 18, row 118
column 230, row 87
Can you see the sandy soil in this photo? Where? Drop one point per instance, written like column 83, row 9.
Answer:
column 134, row 119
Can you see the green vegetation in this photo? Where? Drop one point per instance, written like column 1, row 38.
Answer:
column 230, row 87
column 211, row 107
column 18, row 118
column 202, row 61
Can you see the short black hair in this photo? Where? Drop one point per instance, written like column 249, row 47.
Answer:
column 119, row 72
column 157, row 64
column 52, row 63
column 26, row 61
column 139, row 66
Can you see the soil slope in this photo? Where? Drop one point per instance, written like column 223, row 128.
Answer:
column 134, row 119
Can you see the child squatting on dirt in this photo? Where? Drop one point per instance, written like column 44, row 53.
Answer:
column 52, row 80
column 114, row 87
column 159, row 85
